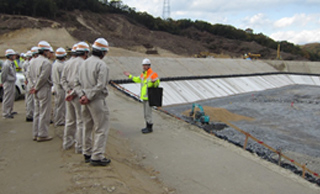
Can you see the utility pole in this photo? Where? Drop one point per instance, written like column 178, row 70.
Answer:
column 166, row 9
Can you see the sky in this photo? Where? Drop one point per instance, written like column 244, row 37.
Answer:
column 295, row 21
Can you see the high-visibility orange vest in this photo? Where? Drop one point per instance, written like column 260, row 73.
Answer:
column 148, row 79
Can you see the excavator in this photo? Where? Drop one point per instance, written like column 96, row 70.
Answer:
column 199, row 116
column 204, row 120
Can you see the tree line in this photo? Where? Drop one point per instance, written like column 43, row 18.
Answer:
column 52, row 8
column 48, row 8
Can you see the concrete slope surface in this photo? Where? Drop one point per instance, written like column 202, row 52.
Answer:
column 189, row 91
column 178, row 67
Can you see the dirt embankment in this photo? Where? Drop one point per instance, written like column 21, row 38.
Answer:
column 220, row 114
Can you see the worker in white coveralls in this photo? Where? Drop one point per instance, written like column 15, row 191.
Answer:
column 73, row 53
column 74, row 123
column 51, row 54
column 23, row 60
column 91, row 86
column 29, row 97
column 26, row 62
column 59, row 93
column 148, row 79
column 8, row 79
column 40, row 73
column 66, row 77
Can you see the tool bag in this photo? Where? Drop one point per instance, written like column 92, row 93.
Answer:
column 155, row 96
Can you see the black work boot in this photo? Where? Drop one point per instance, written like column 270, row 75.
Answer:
column 87, row 158
column 29, row 119
column 148, row 129
column 102, row 162
column 143, row 129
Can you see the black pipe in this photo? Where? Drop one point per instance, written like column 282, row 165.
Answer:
column 165, row 79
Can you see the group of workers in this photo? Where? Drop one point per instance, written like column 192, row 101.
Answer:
column 80, row 91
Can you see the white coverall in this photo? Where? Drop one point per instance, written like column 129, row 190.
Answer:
column 40, row 74
column 28, row 96
column 74, row 126
column 8, row 79
column 59, row 98
column 92, row 82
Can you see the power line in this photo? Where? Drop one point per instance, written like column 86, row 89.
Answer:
column 166, row 9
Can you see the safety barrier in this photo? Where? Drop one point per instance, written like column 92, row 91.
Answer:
column 248, row 135
column 281, row 155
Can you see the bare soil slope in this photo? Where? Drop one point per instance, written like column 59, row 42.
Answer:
column 122, row 32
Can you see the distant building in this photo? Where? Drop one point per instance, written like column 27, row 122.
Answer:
column 249, row 31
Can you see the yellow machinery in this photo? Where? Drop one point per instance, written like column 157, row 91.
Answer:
column 204, row 55
column 278, row 52
column 251, row 56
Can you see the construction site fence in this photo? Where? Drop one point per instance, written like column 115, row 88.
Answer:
column 248, row 136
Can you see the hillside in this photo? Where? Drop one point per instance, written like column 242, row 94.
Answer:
column 128, row 28
column 312, row 48
column 123, row 32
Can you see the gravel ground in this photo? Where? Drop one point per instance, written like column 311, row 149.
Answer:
column 286, row 118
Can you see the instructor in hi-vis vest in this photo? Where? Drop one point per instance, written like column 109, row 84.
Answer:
column 148, row 79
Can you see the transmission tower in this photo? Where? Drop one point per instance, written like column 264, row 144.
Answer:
column 166, row 9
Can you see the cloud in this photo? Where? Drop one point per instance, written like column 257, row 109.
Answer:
column 302, row 37
column 213, row 6
column 293, row 20
column 299, row 29
column 258, row 21
column 153, row 7
column 227, row 6
column 297, row 20
column 213, row 17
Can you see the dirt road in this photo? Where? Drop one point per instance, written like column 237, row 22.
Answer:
column 30, row 167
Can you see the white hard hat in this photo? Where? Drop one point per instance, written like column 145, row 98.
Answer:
column 146, row 62
column 61, row 52
column 44, row 45
column 101, row 44
column 22, row 55
column 34, row 50
column 10, row 52
column 51, row 50
column 74, row 48
column 82, row 47
column 29, row 54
